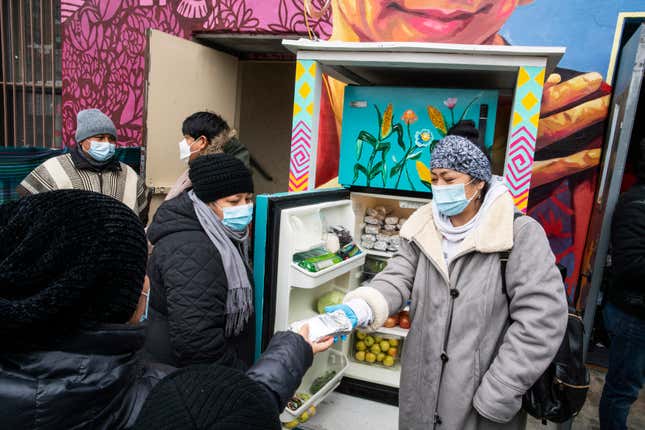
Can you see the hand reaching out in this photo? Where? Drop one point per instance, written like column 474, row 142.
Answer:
column 319, row 346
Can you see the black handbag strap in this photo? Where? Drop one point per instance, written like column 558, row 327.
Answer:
column 503, row 260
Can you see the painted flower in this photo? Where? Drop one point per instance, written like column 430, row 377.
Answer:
column 450, row 102
column 422, row 138
column 409, row 117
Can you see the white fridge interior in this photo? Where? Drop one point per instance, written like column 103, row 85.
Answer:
column 298, row 291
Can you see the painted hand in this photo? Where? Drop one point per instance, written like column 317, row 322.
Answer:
column 565, row 111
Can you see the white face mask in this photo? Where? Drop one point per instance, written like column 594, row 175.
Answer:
column 184, row 151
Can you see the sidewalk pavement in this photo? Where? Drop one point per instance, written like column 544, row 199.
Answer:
column 338, row 410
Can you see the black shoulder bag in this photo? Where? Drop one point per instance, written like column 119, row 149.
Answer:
column 559, row 394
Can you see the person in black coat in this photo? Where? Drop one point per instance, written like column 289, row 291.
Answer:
column 201, row 291
column 71, row 273
column 214, row 397
column 624, row 314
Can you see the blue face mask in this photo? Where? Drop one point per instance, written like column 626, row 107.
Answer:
column 101, row 151
column 238, row 218
column 145, row 313
column 451, row 199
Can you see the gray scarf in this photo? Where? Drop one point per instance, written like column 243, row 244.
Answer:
column 239, row 298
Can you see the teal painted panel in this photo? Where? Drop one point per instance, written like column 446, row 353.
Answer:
column 259, row 265
column 389, row 132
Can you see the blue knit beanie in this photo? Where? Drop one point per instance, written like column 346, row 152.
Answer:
column 460, row 154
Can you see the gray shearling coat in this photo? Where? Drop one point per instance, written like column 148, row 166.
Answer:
column 491, row 364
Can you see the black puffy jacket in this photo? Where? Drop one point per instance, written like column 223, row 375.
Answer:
column 628, row 252
column 281, row 367
column 94, row 379
column 188, row 287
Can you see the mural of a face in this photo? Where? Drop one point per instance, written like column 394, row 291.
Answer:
column 439, row 21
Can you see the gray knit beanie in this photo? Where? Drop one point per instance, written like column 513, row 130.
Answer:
column 92, row 122
column 460, row 154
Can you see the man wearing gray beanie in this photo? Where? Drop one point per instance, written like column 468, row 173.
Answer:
column 91, row 165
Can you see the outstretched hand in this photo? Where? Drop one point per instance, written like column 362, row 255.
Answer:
column 316, row 347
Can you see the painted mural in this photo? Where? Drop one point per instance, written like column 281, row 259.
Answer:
column 390, row 132
column 104, row 46
column 104, row 62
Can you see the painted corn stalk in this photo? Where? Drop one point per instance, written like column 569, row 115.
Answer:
column 396, row 152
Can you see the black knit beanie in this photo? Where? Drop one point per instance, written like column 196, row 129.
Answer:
column 68, row 257
column 208, row 397
column 219, row 175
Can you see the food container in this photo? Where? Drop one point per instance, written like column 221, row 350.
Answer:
column 368, row 349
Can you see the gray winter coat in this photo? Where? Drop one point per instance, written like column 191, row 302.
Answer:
column 489, row 364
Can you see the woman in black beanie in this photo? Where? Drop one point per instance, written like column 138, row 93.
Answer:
column 201, row 293
column 71, row 272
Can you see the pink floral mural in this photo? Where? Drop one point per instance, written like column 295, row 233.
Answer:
column 104, row 45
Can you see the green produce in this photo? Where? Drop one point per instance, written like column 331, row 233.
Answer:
column 379, row 357
column 330, row 298
column 361, row 335
column 388, row 361
column 360, row 346
column 369, row 341
column 320, row 381
column 360, row 356
column 370, row 358
column 375, row 349
column 316, row 259
column 385, row 345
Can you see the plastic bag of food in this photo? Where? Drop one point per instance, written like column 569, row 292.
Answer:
column 380, row 245
column 392, row 220
column 368, row 244
column 372, row 220
column 383, row 237
column 316, row 259
column 389, row 227
column 368, row 238
column 372, row 229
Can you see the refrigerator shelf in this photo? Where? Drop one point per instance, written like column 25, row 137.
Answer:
column 324, row 361
column 375, row 253
column 301, row 278
column 394, row 331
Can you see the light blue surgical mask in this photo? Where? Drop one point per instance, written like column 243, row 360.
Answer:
column 145, row 313
column 451, row 199
column 101, row 151
column 238, row 218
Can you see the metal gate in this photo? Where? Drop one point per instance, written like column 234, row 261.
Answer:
column 30, row 73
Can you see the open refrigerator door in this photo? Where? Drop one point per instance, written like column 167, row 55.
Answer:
column 298, row 273
column 306, row 252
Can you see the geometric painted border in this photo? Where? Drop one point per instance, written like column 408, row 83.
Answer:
column 522, row 134
column 302, row 128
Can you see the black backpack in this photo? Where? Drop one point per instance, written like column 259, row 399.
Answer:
column 559, row 394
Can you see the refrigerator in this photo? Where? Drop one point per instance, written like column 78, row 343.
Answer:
column 290, row 223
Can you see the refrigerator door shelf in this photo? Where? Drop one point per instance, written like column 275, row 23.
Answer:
column 388, row 377
column 375, row 253
column 302, row 278
column 331, row 359
column 393, row 331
